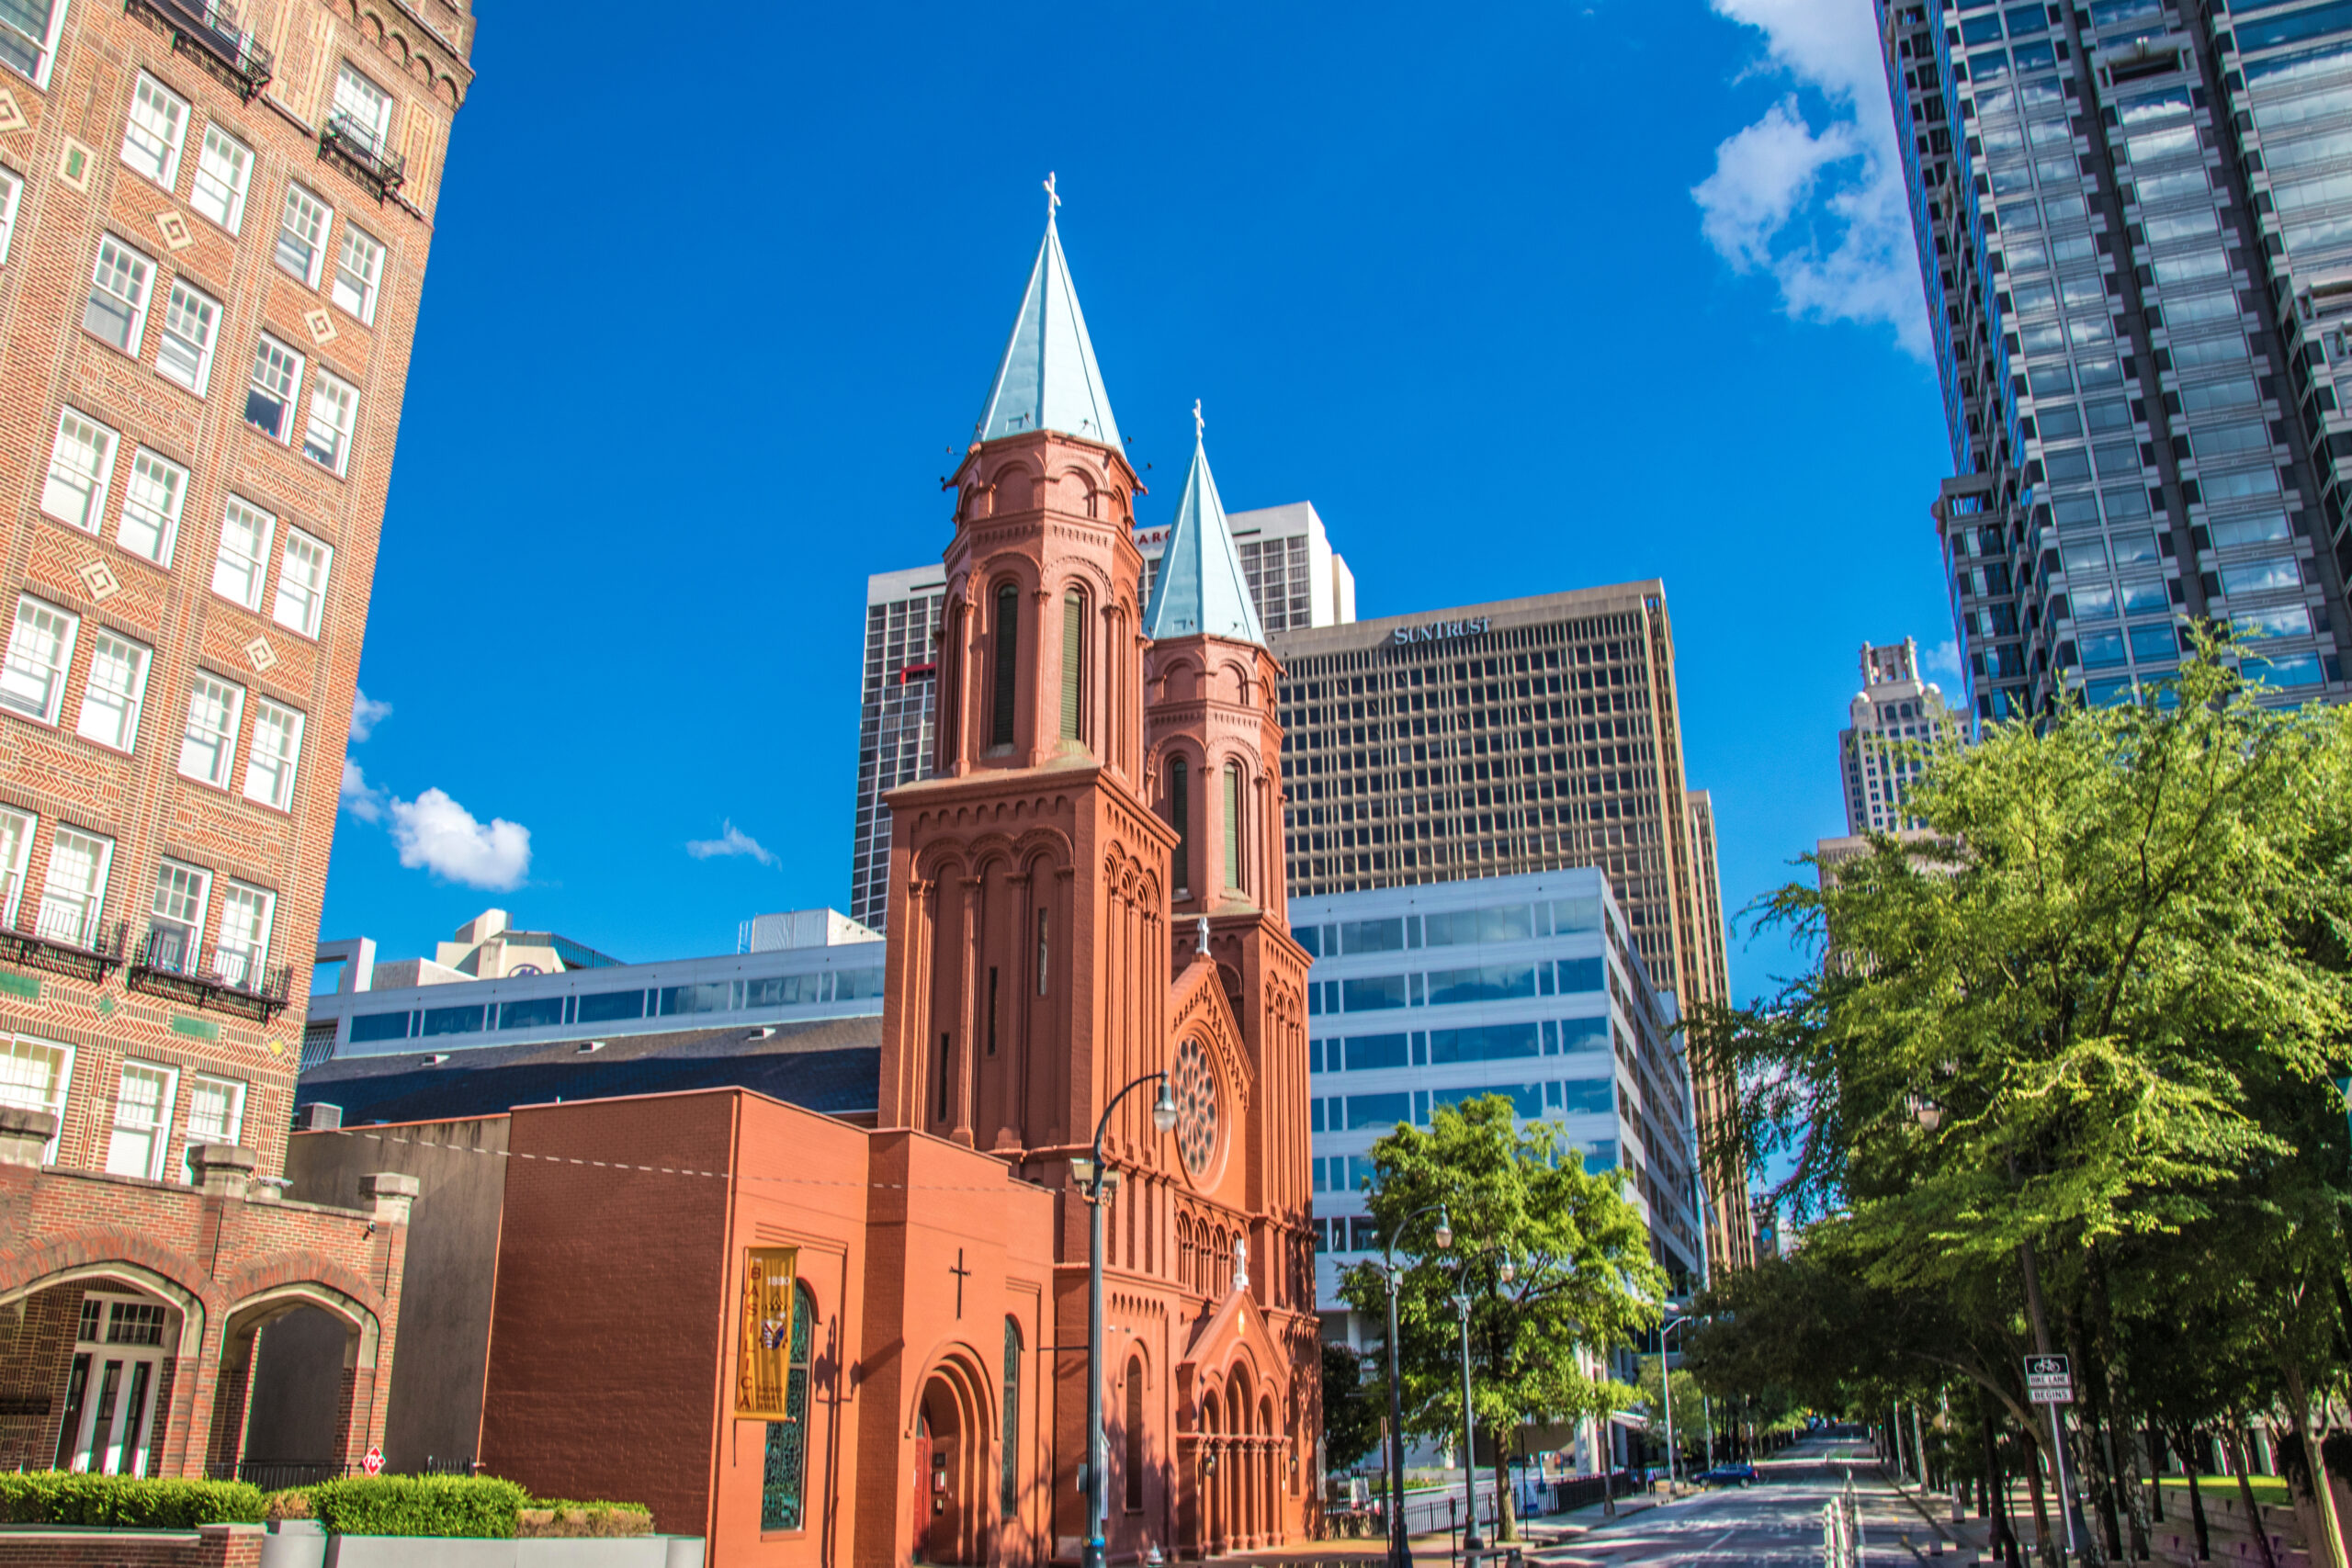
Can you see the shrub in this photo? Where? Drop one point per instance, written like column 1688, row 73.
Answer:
column 59, row 1497
column 291, row 1503
column 556, row 1517
column 478, row 1505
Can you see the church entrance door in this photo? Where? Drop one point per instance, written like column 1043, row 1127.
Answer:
column 944, row 1493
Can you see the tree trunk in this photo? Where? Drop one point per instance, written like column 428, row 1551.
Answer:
column 2192, row 1451
column 1505, row 1504
column 2246, row 1493
column 1997, row 1489
column 2045, row 1544
column 2156, row 1471
column 2330, row 1527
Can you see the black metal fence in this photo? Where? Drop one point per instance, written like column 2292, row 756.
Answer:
column 274, row 1475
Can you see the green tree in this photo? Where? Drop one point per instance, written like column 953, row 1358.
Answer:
column 1352, row 1413
column 1689, row 1413
column 1582, row 1282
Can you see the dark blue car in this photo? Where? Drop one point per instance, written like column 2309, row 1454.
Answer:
column 1736, row 1475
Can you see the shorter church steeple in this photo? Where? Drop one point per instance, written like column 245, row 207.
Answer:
column 1047, row 379
column 1201, row 589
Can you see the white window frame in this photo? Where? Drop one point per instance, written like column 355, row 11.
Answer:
column 158, row 1132
column 207, row 692
column 131, row 262
column 302, row 574
column 75, row 491
column 288, row 402
column 226, row 163
column 274, row 769
column 177, row 880
column 22, row 661
column 188, row 306
column 340, row 400
column 361, row 100
column 228, row 563
column 161, row 162
column 44, row 48
column 62, row 922
column 250, row 952
column 17, row 830
column 369, row 280
column 232, row 1125
column 12, row 186
column 110, row 713
column 298, row 197
column 151, row 502
column 16, row 1085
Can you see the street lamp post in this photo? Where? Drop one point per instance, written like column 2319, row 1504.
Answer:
column 1470, row 1538
column 1090, row 1178
column 1399, row 1556
column 1666, row 1392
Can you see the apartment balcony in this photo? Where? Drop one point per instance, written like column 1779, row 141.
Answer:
column 359, row 150
column 207, row 33
column 65, row 938
column 167, row 963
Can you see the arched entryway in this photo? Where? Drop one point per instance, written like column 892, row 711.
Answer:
column 104, row 1351
column 296, row 1366
column 949, row 1496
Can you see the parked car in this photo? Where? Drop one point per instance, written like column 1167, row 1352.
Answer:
column 1739, row 1473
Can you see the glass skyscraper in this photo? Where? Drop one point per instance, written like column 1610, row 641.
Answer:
column 2135, row 226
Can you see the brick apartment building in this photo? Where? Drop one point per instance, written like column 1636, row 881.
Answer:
column 213, row 230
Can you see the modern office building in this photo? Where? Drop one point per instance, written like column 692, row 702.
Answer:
column 1500, row 739
column 2136, row 243
column 809, row 965
column 1895, row 724
column 214, row 225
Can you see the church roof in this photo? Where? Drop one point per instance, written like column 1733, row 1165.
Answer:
column 1201, row 588
column 1048, row 379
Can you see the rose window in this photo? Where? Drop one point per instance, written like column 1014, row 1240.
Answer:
column 1194, row 1085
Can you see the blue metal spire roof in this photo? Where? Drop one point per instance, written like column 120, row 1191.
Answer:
column 1048, row 379
column 1201, row 588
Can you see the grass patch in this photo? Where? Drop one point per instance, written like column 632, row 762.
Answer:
column 2270, row 1490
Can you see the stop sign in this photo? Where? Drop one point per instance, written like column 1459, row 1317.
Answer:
column 374, row 1462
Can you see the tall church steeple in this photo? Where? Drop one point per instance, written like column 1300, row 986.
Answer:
column 1201, row 588
column 1047, row 379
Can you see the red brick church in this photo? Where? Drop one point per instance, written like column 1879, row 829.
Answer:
column 826, row 1344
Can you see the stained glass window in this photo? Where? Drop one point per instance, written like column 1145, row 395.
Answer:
column 783, row 1479
column 1009, row 1488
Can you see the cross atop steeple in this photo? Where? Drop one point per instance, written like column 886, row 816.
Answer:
column 1199, row 427
column 1053, row 202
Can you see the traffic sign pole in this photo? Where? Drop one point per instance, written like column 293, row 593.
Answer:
column 2050, row 1380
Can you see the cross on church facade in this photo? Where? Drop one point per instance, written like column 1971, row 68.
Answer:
column 961, row 1274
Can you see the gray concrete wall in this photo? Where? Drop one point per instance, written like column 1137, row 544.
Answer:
column 296, row 1389
column 443, row 1346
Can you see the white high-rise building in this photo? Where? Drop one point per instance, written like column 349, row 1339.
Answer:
column 1895, row 723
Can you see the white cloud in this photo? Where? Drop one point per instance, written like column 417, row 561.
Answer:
column 1823, row 212
column 367, row 713
column 731, row 841
column 1943, row 659
column 360, row 797
column 437, row 834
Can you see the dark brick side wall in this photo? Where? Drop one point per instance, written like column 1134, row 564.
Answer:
column 216, row 1546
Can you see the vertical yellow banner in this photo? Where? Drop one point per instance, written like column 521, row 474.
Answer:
column 764, row 1366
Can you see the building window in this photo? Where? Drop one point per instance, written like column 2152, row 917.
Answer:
column 1045, row 947
column 11, row 187
column 334, row 405
column 784, row 1474
column 1233, row 827
column 271, row 757
column 210, row 740
column 241, row 953
column 117, row 311
column 1009, row 1481
column 1007, row 662
column 28, row 30
column 16, row 848
column 1073, row 660
column 237, row 569
column 303, row 234
column 175, row 927
column 190, row 319
column 112, row 699
column 34, row 1076
column 74, row 893
column 153, row 135
column 142, row 1121
column 302, row 582
column 362, row 110
column 39, row 648
column 359, row 265
column 224, row 167
column 277, row 375
column 150, row 507
column 1135, row 1434
column 216, row 1114
column 79, row 466
column 1180, row 806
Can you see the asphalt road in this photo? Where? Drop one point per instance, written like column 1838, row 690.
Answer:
column 1778, row 1520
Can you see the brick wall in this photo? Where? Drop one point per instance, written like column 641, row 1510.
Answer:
column 212, row 1546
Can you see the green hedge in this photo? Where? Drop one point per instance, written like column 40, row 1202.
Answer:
column 59, row 1497
column 418, row 1504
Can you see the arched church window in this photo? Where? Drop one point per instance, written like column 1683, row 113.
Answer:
column 1007, row 632
column 1009, row 1486
column 1233, row 827
column 1073, row 661
column 1134, row 1434
column 784, row 1476
column 1179, row 810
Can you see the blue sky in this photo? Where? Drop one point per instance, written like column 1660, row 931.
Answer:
column 696, row 343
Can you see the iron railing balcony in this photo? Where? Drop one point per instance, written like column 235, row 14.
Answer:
column 63, row 938
column 166, row 963
column 360, row 151
column 207, row 33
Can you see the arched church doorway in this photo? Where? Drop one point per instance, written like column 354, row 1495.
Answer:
column 946, row 1480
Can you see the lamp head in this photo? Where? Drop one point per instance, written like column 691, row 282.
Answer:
column 1506, row 1270
column 1445, row 1231
column 1163, row 1108
column 1081, row 1170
